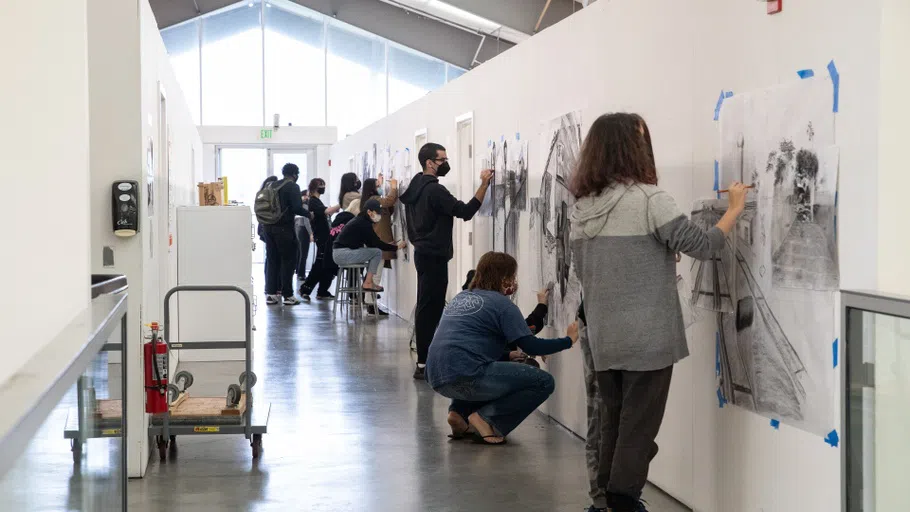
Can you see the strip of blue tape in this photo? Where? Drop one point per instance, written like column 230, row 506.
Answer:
column 775, row 424
column 805, row 73
column 717, row 354
column 720, row 102
column 832, row 439
column 716, row 175
column 720, row 399
column 834, row 351
column 728, row 94
column 517, row 135
column 835, row 81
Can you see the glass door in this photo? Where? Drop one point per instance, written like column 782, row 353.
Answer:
column 279, row 157
column 246, row 169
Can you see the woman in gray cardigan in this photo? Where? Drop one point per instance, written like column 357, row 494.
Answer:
column 626, row 234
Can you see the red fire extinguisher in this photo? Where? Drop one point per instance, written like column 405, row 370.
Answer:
column 155, row 373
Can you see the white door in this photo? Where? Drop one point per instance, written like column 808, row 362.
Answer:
column 464, row 244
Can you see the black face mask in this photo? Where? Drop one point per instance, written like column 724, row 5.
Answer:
column 443, row 169
column 321, row 190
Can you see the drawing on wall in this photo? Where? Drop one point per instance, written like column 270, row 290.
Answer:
column 550, row 219
column 511, row 197
column 772, row 286
column 364, row 166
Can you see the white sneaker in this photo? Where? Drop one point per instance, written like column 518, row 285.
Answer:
column 290, row 301
column 271, row 300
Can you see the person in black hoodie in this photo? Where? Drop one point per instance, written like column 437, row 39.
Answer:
column 322, row 271
column 430, row 211
column 281, row 254
column 358, row 243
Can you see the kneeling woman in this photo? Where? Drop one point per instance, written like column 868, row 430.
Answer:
column 489, row 397
column 358, row 243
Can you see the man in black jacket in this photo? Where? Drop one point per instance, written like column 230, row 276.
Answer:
column 282, row 253
column 431, row 211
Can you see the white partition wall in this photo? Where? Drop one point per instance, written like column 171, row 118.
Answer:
column 669, row 61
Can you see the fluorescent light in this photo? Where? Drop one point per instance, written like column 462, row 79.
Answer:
column 464, row 17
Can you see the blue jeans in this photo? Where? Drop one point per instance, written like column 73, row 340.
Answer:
column 504, row 395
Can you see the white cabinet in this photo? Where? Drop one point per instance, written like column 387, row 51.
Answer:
column 213, row 248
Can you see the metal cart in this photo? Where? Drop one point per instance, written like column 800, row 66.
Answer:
column 252, row 423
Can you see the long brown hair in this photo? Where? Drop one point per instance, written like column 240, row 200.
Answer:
column 493, row 270
column 616, row 150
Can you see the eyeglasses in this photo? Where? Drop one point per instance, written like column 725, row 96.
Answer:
column 441, row 159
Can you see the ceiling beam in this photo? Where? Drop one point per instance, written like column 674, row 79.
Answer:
column 424, row 34
column 521, row 15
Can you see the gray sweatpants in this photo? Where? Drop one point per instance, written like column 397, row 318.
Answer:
column 370, row 256
column 625, row 411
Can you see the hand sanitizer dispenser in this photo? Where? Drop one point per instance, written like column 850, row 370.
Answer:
column 125, row 207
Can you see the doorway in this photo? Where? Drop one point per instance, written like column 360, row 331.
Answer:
column 464, row 164
column 245, row 169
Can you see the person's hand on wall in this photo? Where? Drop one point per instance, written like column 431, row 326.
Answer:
column 543, row 296
column 402, row 245
column 311, row 238
column 393, row 183
column 486, row 176
column 572, row 333
column 737, row 197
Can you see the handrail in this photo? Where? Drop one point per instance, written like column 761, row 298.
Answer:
column 32, row 393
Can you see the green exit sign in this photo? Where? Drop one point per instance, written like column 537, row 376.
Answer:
column 265, row 134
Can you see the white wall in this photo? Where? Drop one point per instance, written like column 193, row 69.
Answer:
column 284, row 137
column 669, row 61
column 127, row 62
column 44, row 173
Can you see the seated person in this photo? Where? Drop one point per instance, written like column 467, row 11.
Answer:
column 535, row 321
column 489, row 397
column 357, row 243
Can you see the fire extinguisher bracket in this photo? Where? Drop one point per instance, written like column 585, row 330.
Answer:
column 251, row 422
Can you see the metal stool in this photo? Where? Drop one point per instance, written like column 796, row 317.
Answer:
column 349, row 290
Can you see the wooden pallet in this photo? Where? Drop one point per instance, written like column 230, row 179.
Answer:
column 206, row 407
column 108, row 410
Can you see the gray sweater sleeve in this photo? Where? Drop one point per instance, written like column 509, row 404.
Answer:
column 672, row 228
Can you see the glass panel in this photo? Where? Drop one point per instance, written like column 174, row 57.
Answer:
column 182, row 43
column 246, row 170
column 232, row 67
column 74, row 460
column 296, row 157
column 294, row 68
column 411, row 76
column 454, row 72
column 892, row 414
column 356, row 79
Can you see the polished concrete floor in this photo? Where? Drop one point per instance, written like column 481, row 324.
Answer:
column 349, row 429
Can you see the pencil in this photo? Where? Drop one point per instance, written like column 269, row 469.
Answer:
column 724, row 191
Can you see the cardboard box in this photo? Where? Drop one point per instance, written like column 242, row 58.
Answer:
column 211, row 194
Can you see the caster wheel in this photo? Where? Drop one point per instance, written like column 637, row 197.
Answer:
column 162, row 448
column 76, row 446
column 233, row 395
column 172, row 446
column 172, row 393
column 242, row 379
column 186, row 378
column 256, row 444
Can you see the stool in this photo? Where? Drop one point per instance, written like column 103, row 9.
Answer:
column 349, row 289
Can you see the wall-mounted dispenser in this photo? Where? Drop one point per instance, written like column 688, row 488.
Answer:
column 125, row 207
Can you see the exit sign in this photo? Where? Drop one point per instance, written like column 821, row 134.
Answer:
column 265, row 134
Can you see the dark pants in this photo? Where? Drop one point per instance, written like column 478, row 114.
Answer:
column 634, row 404
column 503, row 396
column 322, row 272
column 432, row 281
column 303, row 250
column 281, row 260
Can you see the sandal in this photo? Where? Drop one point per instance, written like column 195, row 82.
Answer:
column 478, row 439
column 376, row 290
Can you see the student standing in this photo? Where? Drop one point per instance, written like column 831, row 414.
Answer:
column 320, row 272
column 281, row 254
column 349, row 189
column 430, row 210
column 267, row 242
column 304, row 232
column 625, row 234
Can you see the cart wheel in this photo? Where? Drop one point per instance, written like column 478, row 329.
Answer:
column 186, row 377
column 256, row 443
column 233, row 395
column 173, row 444
column 242, row 379
column 162, row 448
column 76, row 446
column 172, row 393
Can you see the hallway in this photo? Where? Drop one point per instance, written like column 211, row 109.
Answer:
column 351, row 430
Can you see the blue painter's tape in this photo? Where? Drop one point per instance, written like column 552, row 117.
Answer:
column 835, row 81
column 716, row 175
column 832, row 439
column 720, row 102
column 728, row 94
column 517, row 135
column 489, row 143
column 805, row 73
column 775, row 424
column 834, row 350
column 720, row 399
column 717, row 354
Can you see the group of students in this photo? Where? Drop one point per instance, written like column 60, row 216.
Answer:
column 626, row 237
column 360, row 233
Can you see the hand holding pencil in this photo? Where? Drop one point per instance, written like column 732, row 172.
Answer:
column 737, row 196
